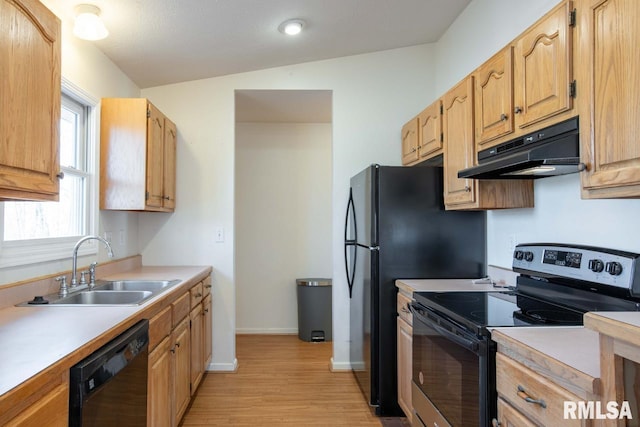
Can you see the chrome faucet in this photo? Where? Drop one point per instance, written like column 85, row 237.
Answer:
column 74, row 279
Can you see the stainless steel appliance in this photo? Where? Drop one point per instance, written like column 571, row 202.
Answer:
column 453, row 355
column 109, row 388
column 396, row 227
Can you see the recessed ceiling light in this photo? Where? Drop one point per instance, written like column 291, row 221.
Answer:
column 291, row 27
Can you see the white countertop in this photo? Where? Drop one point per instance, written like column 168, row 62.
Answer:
column 35, row 338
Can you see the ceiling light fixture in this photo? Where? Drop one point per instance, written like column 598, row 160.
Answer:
column 291, row 27
column 88, row 25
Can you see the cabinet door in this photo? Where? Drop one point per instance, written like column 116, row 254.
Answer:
column 197, row 350
column 207, row 306
column 169, row 164
column 405, row 341
column 51, row 410
column 29, row 101
column 410, row 141
column 543, row 68
column 181, row 352
column 155, row 155
column 457, row 127
column 430, row 131
column 609, row 125
column 508, row 416
column 159, row 385
column 494, row 98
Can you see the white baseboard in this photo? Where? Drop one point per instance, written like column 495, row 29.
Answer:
column 223, row 367
column 266, row 331
column 340, row 366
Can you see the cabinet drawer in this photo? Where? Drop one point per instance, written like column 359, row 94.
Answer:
column 196, row 295
column 159, row 327
column 515, row 383
column 403, row 303
column 180, row 308
column 206, row 283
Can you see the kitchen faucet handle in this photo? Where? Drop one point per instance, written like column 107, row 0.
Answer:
column 92, row 274
column 64, row 290
column 83, row 279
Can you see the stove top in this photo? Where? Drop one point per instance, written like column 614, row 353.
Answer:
column 478, row 310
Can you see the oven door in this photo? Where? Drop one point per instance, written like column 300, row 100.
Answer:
column 452, row 367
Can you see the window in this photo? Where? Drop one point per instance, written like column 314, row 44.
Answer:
column 41, row 231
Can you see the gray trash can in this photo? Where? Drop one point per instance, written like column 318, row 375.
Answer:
column 314, row 309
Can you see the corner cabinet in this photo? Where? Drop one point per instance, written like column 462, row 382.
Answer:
column 609, row 125
column 29, row 101
column 460, row 153
column 137, row 156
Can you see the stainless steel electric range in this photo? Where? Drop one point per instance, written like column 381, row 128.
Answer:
column 453, row 355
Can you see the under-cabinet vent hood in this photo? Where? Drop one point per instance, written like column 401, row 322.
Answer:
column 547, row 152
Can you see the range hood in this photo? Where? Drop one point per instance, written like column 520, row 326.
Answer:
column 547, row 152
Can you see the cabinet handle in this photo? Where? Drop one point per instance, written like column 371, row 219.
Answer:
column 467, row 188
column 503, row 117
column 495, row 423
column 167, row 198
column 173, row 349
column 206, row 310
column 525, row 396
column 198, row 295
column 60, row 175
column 404, row 310
column 207, row 286
column 517, row 110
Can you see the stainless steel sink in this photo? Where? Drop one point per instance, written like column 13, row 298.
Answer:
column 105, row 298
column 134, row 285
column 112, row 292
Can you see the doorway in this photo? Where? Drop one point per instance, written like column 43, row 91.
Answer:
column 283, row 203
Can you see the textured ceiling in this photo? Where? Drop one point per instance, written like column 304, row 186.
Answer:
column 158, row 42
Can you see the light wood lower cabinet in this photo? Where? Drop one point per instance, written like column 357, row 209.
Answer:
column 531, row 397
column 179, row 353
column 50, row 410
column 405, row 366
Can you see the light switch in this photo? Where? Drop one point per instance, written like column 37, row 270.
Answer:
column 219, row 234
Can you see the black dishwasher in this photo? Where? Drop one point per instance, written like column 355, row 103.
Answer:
column 109, row 387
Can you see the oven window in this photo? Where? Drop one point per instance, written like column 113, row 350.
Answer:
column 448, row 374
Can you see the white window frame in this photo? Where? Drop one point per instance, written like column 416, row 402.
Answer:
column 24, row 252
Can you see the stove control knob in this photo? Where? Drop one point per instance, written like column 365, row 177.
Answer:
column 518, row 255
column 528, row 256
column 613, row 268
column 596, row 265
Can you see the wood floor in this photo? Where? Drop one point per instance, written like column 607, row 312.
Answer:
column 281, row 381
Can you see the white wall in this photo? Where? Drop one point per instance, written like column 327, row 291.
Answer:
column 559, row 214
column 282, row 219
column 373, row 95
column 88, row 69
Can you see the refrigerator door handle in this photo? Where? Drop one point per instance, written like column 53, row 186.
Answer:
column 349, row 242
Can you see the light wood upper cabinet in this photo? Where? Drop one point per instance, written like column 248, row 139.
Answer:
column 430, row 131
column 137, row 156
column 457, row 127
column 494, row 97
column 609, row 124
column 29, row 101
column 409, row 136
column 460, row 153
column 543, row 68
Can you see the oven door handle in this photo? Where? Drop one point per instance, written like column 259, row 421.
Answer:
column 461, row 341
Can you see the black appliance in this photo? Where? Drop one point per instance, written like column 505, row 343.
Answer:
column 396, row 227
column 109, row 387
column 453, row 355
column 547, row 152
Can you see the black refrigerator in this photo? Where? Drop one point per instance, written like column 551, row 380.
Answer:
column 396, row 228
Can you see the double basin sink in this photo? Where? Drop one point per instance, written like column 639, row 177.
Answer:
column 117, row 292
